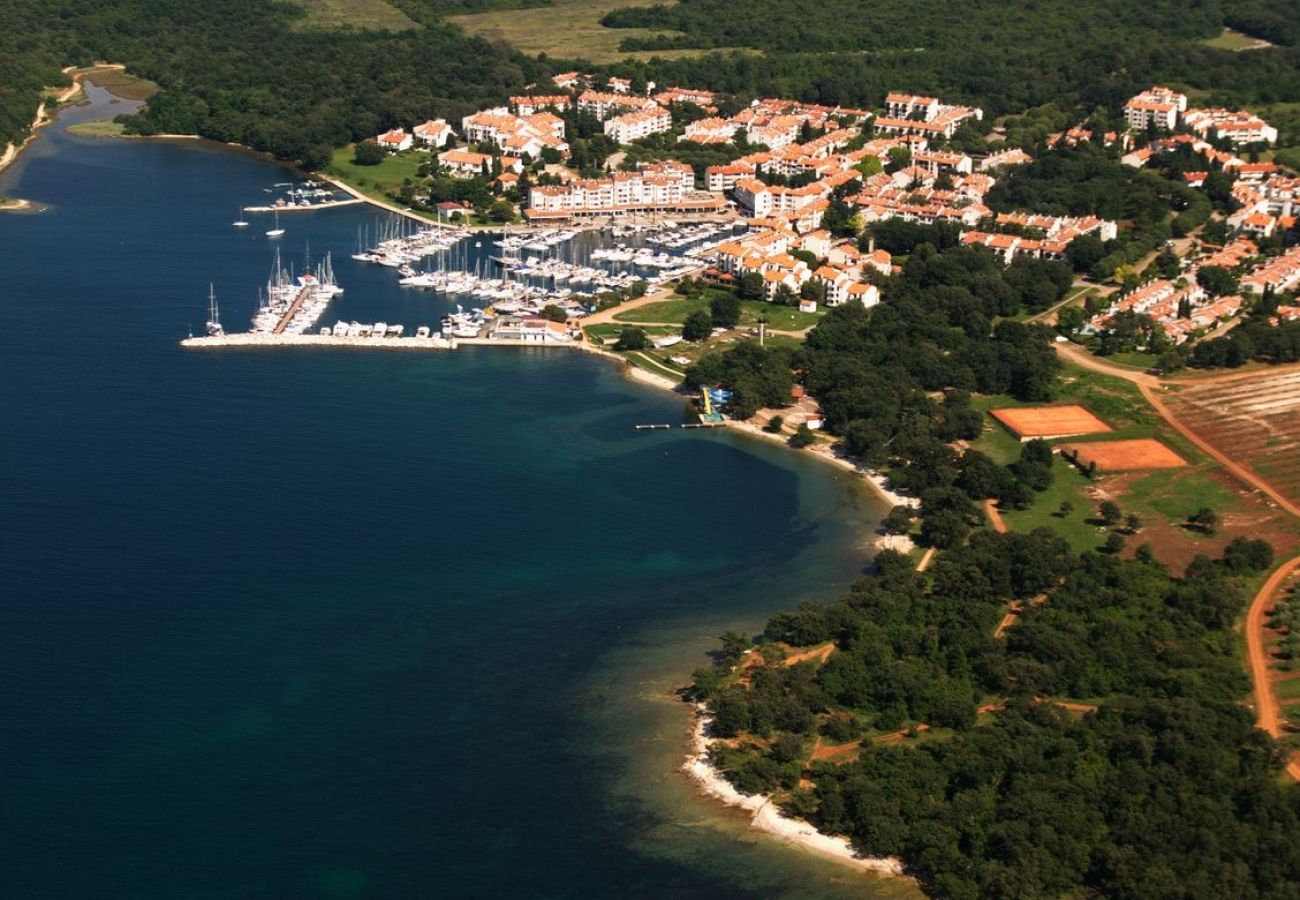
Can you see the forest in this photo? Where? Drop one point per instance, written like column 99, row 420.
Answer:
column 895, row 381
column 239, row 70
column 1157, row 786
column 1005, row 57
column 249, row 71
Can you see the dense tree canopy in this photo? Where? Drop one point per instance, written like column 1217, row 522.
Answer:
column 1166, row 790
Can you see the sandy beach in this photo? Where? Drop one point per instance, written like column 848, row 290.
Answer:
column 766, row 817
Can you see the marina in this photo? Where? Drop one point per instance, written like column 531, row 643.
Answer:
column 293, row 304
column 526, row 288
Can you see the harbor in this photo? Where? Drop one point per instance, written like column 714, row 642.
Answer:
column 501, row 288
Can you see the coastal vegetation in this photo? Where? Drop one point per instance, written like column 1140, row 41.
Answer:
column 1096, row 747
column 235, row 70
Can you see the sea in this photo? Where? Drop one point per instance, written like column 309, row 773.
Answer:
column 282, row 623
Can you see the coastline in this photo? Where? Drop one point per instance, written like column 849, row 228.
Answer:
column 766, row 817
column 45, row 117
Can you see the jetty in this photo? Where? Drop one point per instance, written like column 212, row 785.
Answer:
column 302, row 207
column 373, row 342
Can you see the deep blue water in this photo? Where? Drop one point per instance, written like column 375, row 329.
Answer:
column 329, row 624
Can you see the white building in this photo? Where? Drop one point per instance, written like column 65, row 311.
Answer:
column 396, row 140
column 642, row 123
column 433, row 133
column 1230, row 125
column 1158, row 106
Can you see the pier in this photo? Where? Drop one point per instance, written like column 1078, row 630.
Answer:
column 303, row 207
column 318, row 340
column 307, row 290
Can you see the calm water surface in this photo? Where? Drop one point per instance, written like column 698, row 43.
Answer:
column 333, row 624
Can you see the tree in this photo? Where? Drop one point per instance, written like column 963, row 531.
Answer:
column 774, row 425
column 802, row 437
column 1205, row 519
column 1133, row 523
column 1245, row 554
column 1065, row 508
column 725, row 309
column 368, row 153
column 1216, row 280
column 632, row 338
column 1109, row 512
column 698, row 326
column 750, row 286
column 1070, row 320
column 553, row 313
column 784, row 296
column 501, row 211
column 899, row 520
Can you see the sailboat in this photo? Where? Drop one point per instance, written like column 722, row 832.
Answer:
column 239, row 219
column 277, row 230
column 214, row 315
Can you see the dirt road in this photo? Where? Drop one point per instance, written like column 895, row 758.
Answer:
column 1266, row 711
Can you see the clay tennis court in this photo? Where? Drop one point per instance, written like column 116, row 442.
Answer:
column 1029, row 422
column 1125, row 456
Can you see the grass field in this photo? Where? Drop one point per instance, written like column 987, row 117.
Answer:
column 374, row 14
column 674, row 311
column 1161, row 499
column 1235, row 40
column 568, row 28
column 120, row 84
column 102, row 128
column 376, row 181
column 781, row 318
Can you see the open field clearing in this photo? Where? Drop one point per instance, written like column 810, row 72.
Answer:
column 1235, row 41
column 1027, row 422
column 568, row 29
column 1253, row 419
column 374, row 14
column 1123, row 456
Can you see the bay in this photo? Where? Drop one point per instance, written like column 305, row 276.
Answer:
column 342, row 624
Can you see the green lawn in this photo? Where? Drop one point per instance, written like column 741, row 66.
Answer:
column 610, row 330
column 1068, row 485
column 781, row 318
column 1136, row 360
column 377, row 181
column 675, row 310
column 1287, row 690
column 644, row 360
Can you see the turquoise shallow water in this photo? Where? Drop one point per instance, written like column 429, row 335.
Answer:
column 319, row 624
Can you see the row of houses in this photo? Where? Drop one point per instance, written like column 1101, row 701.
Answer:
column 767, row 252
column 1165, row 109
column 1267, row 206
column 1276, row 275
column 654, row 187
